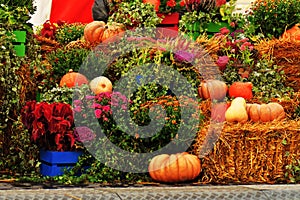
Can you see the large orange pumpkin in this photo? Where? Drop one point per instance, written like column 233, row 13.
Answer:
column 96, row 32
column 265, row 112
column 71, row 79
column 241, row 89
column 174, row 168
column 213, row 89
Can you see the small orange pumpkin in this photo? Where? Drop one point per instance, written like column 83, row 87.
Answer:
column 265, row 112
column 212, row 89
column 174, row 168
column 71, row 79
column 96, row 32
column 241, row 89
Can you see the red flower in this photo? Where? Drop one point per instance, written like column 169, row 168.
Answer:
column 50, row 125
column 220, row 2
column 48, row 30
column 171, row 3
column 182, row 3
column 224, row 31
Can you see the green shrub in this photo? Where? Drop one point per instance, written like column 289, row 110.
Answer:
column 64, row 59
column 69, row 32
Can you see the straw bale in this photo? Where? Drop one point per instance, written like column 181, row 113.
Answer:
column 248, row 153
column 285, row 53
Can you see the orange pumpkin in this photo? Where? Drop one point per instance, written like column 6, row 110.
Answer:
column 241, row 89
column 292, row 33
column 265, row 112
column 213, row 89
column 174, row 168
column 71, row 79
column 97, row 31
column 101, row 84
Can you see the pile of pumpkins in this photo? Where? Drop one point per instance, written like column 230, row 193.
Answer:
column 238, row 110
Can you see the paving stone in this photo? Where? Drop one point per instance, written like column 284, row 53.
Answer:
column 238, row 192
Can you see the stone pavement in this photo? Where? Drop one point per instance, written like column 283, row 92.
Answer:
column 231, row 192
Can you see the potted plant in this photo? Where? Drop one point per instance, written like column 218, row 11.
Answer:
column 207, row 16
column 169, row 11
column 51, row 128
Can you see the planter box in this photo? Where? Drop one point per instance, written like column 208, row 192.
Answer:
column 19, row 42
column 54, row 163
column 169, row 25
column 20, row 36
column 20, row 49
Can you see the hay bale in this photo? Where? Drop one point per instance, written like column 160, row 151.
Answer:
column 285, row 53
column 250, row 152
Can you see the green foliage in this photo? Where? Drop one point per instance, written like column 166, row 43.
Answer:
column 14, row 18
column 267, row 80
column 293, row 171
column 276, row 15
column 58, row 94
column 18, row 78
column 223, row 13
column 135, row 14
column 64, row 59
column 12, row 4
column 69, row 32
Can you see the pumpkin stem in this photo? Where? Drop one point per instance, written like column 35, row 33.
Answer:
column 70, row 70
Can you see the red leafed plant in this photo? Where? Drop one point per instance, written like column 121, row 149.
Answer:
column 50, row 125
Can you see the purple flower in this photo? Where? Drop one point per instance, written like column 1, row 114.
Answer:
column 84, row 134
column 222, row 62
column 184, row 56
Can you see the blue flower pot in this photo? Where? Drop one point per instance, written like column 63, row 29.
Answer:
column 53, row 163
